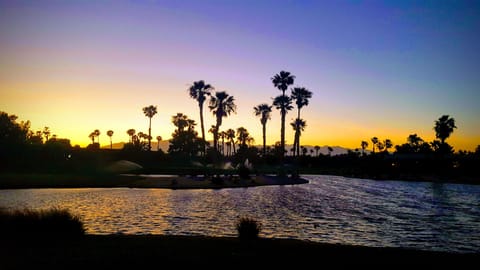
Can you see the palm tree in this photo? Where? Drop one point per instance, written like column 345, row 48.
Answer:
column 282, row 81
column 317, row 148
column 223, row 135
column 149, row 112
column 131, row 133
column 92, row 137
column 298, row 126
column 159, row 139
column 330, row 150
column 300, row 95
column 243, row 137
column 198, row 91
column 231, row 136
column 263, row 110
column 180, row 121
column 364, row 145
column 97, row 134
column 444, row 127
column 110, row 134
column 46, row 132
column 221, row 105
column 374, row 142
column 388, row 144
column 284, row 104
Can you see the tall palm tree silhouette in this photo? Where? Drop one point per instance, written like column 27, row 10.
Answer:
column 198, row 91
column 221, row 105
column 110, row 134
column 444, row 127
column 282, row 81
column 284, row 104
column 149, row 112
column 263, row 110
column 300, row 95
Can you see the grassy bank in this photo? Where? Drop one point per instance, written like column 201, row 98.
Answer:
column 128, row 250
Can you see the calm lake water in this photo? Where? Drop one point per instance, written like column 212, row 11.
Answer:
column 329, row 209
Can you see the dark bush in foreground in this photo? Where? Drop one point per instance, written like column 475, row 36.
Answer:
column 52, row 222
column 248, row 228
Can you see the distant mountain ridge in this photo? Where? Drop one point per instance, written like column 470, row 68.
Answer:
column 337, row 150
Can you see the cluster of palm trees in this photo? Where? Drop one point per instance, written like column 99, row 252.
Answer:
column 299, row 95
column 381, row 145
column 443, row 127
column 222, row 105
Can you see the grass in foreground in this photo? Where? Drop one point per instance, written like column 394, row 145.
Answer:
column 40, row 223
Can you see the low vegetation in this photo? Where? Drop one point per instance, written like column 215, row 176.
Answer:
column 38, row 223
column 248, row 228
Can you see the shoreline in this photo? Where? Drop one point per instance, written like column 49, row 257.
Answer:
column 25, row 181
column 120, row 250
column 95, row 180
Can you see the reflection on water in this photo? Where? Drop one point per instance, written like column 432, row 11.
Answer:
column 329, row 209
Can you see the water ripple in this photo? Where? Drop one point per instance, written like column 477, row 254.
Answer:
column 329, row 209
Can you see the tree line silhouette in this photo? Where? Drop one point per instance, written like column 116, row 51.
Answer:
column 35, row 149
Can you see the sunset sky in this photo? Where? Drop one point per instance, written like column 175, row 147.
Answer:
column 376, row 68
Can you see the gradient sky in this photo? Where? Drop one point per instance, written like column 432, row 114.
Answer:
column 376, row 68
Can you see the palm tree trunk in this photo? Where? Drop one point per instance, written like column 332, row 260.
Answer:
column 233, row 143
column 150, row 134
column 282, row 132
column 297, row 142
column 264, row 139
column 110, row 143
column 201, row 124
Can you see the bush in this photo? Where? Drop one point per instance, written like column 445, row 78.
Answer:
column 248, row 228
column 244, row 172
column 52, row 222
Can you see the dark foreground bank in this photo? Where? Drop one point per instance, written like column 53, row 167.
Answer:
column 110, row 251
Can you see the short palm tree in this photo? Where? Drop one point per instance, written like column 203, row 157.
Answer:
column 198, row 91
column 46, row 133
column 374, row 142
column 159, row 139
column 364, row 146
column 110, row 134
column 231, row 137
column 298, row 126
column 131, row 133
column 221, row 105
column 300, row 95
column 97, row 134
column 282, row 81
column 149, row 112
column 444, row 127
column 317, row 148
column 263, row 110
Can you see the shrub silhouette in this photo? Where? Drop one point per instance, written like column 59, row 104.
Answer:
column 51, row 222
column 248, row 228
